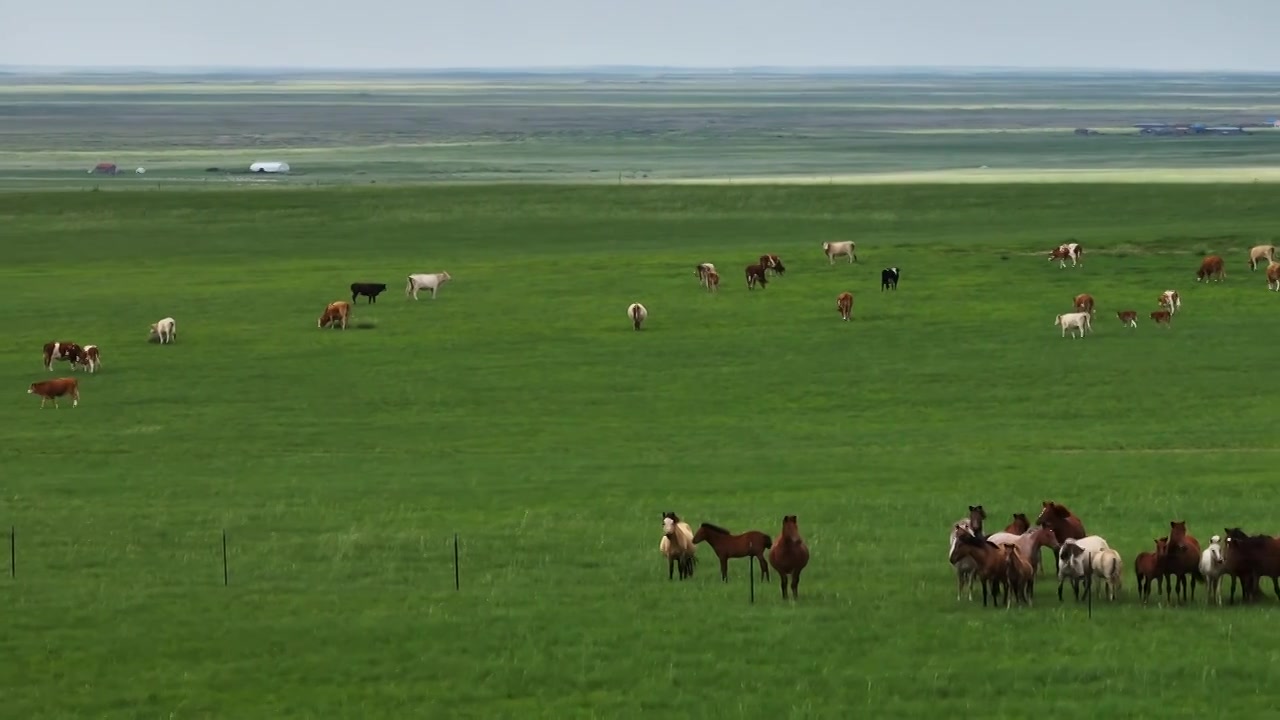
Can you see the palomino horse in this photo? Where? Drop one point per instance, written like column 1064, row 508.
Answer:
column 1064, row 524
column 1029, row 543
column 1181, row 558
column 677, row 546
column 749, row 544
column 789, row 556
column 989, row 562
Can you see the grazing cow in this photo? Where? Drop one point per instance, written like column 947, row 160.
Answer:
column 774, row 263
column 54, row 389
column 833, row 250
column 1066, row 251
column 637, row 313
column 1261, row 252
column 166, row 331
column 889, row 279
column 1084, row 303
column 90, row 359
column 1128, row 318
column 713, row 281
column 425, row 281
column 370, row 290
column 1169, row 300
column 1073, row 321
column 1273, row 277
column 702, row 270
column 1212, row 268
column 755, row 274
column 68, row 351
column 844, row 305
column 1162, row 317
column 335, row 314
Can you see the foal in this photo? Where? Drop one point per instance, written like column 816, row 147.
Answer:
column 726, row 545
column 789, row 556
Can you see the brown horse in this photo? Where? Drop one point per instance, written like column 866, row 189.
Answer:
column 990, row 561
column 1249, row 559
column 1019, row 525
column 726, row 545
column 1181, row 558
column 789, row 556
column 1064, row 524
column 1020, row 577
column 1146, row 567
column 976, row 516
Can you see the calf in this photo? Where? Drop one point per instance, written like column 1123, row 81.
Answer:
column 54, row 389
column 1073, row 321
column 425, row 281
column 637, row 313
column 68, row 351
column 370, row 290
column 335, row 314
column 1162, row 317
column 833, row 250
column 1273, row 277
column 1128, row 318
column 702, row 270
column 1065, row 251
column 1211, row 268
column 774, row 263
column 713, row 281
column 166, row 331
column 1261, row 252
column 1084, row 303
column 755, row 274
column 90, row 359
column 844, row 305
column 889, row 279
column 1169, row 299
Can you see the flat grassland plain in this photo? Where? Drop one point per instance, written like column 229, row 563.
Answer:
column 520, row 411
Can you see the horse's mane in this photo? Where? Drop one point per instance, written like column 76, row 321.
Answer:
column 716, row 528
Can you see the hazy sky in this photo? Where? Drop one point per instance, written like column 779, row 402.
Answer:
column 1157, row 34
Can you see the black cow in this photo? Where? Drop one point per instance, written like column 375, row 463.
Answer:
column 369, row 289
column 889, row 279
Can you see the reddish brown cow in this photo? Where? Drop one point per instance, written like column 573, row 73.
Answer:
column 844, row 305
column 90, row 359
column 64, row 350
column 1212, row 268
column 755, row 274
column 335, row 314
column 1273, row 277
column 54, row 389
column 774, row 263
column 1128, row 318
column 1084, row 303
column 712, row 280
column 1162, row 317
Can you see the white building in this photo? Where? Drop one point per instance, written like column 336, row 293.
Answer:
column 269, row 167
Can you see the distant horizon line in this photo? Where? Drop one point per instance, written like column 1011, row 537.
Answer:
column 613, row 69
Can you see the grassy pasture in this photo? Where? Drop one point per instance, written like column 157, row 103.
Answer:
column 521, row 411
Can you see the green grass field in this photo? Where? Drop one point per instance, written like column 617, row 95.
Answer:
column 521, row 411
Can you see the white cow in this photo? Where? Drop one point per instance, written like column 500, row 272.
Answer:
column 1169, row 299
column 637, row 313
column 425, row 281
column 166, row 330
column 1074, row 321
column 834, row 250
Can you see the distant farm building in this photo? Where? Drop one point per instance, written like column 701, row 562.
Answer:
column 105, row 169
column 269, row 167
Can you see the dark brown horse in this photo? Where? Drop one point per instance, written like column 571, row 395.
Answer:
column 1064, row 524
column 1249, row 559
column 789, row 556
column 726, row 545
column 990, row 561
column 976, row 516
column 1181, row 558
column 1019, row 525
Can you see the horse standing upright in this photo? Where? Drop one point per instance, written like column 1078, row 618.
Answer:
column 1181, row 558
column 1029, row 543
column 976, row 516
column 965, row 567
column 789, row 556
column 726, row 545
column 1064, row 524
column 677, row 546
column 1019, row 525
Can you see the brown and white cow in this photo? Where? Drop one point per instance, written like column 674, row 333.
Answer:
column 1128, row 318
column 335, row 314
column 54, row 389
column 702, row 270
column 1273, row 276
column 64, row 350
column 755, row 274
column 90, row 359
column 713, row 281
column 1084, row 303
column 844, row 305
column 1067, row 251
column 638, row 314
column 1169, row 299
column 774, row 263
column 1261, row 252
column 1211, row 267
column 1162, row 317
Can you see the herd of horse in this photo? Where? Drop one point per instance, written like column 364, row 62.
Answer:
column 1006, row 563
column 788, row 552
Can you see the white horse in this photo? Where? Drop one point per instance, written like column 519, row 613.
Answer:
column 1075, row 560
column 964, row 567
column 1108, row 566
column 1212, row 567
column 677, row 546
